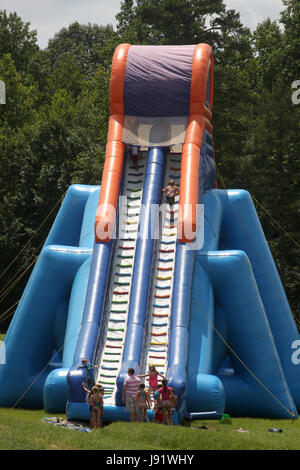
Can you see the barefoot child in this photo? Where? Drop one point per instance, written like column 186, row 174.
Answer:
column 143, row 401
column 96, row 403
column 165, row 394
column 158, row 417
column 153, row 379
column 89, row 392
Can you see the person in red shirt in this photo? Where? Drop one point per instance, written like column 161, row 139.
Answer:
column 165, row 396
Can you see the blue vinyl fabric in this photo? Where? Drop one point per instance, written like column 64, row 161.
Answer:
column 35, row 337
column 88, row 338
column 141, row 278
column 225, row 285
column 231, row 333
column 230, row 317
column 182, row 294
column 205, row 391
column 242, row 229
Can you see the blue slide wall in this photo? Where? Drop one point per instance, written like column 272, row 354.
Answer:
column 228, row 307
column 141, row 279
column 37, row 330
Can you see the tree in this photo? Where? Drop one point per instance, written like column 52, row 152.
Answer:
column 17, row 40
column 52, row 134
column 273, row 161
column 290, row 19
column 125, row 17
column 82, row 44
column 20, row 97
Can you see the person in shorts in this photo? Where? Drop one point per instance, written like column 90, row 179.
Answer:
column 171, row 191
column 96, row 404
column 130, row 389
column 142, row 399
column 165, row 394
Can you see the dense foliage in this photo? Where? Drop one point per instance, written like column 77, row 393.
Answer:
column 54, row 123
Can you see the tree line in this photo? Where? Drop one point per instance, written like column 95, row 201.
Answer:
column 53, row 127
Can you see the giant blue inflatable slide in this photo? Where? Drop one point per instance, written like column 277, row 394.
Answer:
column 129, row 278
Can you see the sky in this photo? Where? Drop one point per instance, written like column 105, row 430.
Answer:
column 49, row 16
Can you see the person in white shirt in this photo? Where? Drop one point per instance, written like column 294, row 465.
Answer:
column 130, row 389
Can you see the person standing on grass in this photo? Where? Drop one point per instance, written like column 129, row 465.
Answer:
column 96, row 403
column 165, row 394
column 158, row 417
column 89, row 392
column 130, row 389
column 142, row 399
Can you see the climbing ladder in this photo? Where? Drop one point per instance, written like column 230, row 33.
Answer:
column 156, row 344
column 109, row 354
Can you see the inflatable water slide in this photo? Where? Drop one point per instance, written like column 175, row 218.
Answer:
column 127, row 278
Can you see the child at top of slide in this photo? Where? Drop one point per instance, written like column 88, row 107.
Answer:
column 135, row 156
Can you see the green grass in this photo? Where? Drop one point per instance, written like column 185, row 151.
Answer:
column 25, row 430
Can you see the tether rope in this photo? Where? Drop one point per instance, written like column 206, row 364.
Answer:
column 247, row 368
column 32, row 236
column 43, row 370
column 14, row 280
column 255, row 250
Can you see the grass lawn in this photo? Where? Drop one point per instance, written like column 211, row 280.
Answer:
column 25, row 430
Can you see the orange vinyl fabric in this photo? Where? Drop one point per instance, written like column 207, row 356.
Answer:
column 114, row 157
column 199, row 120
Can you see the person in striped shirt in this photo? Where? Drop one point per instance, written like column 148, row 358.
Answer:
column 130, row 389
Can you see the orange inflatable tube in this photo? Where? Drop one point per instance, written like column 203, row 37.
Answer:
column 114, row 157
column 199, row 120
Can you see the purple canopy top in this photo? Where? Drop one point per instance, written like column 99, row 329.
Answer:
column 158, row 80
